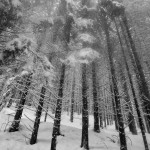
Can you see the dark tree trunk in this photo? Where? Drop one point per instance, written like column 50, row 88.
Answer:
column 141, row 124
column 84, row 139
column 15, row 124
column 46, row 113
column 72, row 100
column 101, row 120
column 131, row 120
column 123, row 144
column 114, row 107
column 105, row 123
column 56, row 127
column 143, row 87
column 107, row 119
column 96, row 116
column 33, row 139
column 62, row 11
column 100, row 105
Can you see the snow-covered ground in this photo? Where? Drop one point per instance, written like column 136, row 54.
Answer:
column 72, row 131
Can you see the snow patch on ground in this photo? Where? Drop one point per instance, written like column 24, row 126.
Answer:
column 72, row 131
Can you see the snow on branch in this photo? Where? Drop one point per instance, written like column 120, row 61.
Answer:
column 86, row 37
column 84, row 22
column 85, row 55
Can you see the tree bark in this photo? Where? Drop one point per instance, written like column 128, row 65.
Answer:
column 123, row 144
column 72, row 99
column 56, row 127
column 143, row 87
column 33, row 139
column 96, row 113
column 84, row 139
column 46, row 113
column 15, row 124
column 132, row 125
column 141, row 124
column 114, row 106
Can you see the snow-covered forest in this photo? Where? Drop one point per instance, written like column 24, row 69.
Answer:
column 74, row 74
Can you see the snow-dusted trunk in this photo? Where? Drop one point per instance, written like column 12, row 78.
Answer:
column 66, row 39
column 96, row 113
column 131, row 120
column 100, row 104
column 107, row 111
column 143, row 87
column 56, row 127
column 72, row 100
column 137, row 106
column 2, row 93
column 123, row 144
column 84, row 139
column 38, row 116
column 15, row 124
column 114, row 106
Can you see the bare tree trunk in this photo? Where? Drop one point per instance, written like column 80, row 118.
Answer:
column 96, row 113
column 15, row 124
column 84, row 139
column 56, row 127
column 141, row 124
column 132, row 125
column 123, row 144
column 143, row 87
column 72, row 99
column 38, row 116
column 114, row 106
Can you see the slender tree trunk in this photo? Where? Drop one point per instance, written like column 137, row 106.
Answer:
column 132, row 125
column 33, row 139
column 131, row 119
column 46, row 113
column 100, row 105
column 56, row 127
column 15, row 124
column 72, row 99
column 96, row 113
column 123, row 144
column 84, row 139
column 107, row 117
column 143, row 87
column 101, row 120
column 137, row 107
column 114, row 107
column 105, row 113
column 2, row 90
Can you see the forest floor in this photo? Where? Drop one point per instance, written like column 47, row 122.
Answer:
column 72, row 134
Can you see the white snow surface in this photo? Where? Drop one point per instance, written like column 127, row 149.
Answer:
column 72, row 131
